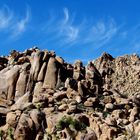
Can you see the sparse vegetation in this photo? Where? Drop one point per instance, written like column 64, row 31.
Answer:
column 69, row 122
column 10, row 134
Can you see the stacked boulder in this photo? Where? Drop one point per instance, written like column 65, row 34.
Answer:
column 43, row 97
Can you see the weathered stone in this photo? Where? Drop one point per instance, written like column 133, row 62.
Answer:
column 60, row 95
column 122, row 137
column 36, row 59
column 48, row 110
column 108, row 99
column 93, row 73
column 5, row 103
column 78, row 70
column 104, row 137
column 133, row 114
column 23, row 60
column 110, row 132
column 39, row 136
column 63, row 107
column 52, row 121
column 136, row 100
column 42, row 72
column 88, row 104
column 12, row 118
column 43, row 69
column 91, row 136
column 37, row 92
column 78, row 99
column 94, row 101
column 72, row 94
column 11, row 79
column 4, row 110
column 83, row 119
column 21, row 85
column 71, row 109
column 60, row 59
column 24, row 129
column 38, row 119
column 125, row 121
column 36, row 62
column 110, row 121
column 71, row 83
column 109, row 106
column 50, row 80
column 95, row 126
column 23, row 102
column 118, row 114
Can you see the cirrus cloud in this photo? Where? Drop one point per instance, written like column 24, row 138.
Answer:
column 12, row 24
column 65, row 30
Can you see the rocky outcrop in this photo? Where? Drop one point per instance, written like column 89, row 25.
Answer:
column 121, row 73
column 43, row 97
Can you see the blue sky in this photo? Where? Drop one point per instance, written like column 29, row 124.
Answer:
column 75, row 29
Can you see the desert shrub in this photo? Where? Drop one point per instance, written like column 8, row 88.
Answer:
column 68, row 121
column 10, row 134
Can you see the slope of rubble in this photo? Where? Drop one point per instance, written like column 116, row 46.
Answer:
column 42, row 97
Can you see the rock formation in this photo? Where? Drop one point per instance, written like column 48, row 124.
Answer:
column 43, row 97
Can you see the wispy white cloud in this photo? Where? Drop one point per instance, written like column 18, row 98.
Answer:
column 66, row 13
column 130, row 38
column 67, row 32
column 12, row 24
column 101, row 33
column 20, row 26
column 67, row 29
column 6, row 16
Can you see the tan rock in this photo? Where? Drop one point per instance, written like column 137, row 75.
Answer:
column 60, row 59
column 11, row 78
column 133, row 114
column 42, row 72
column 90, row 136
column 48, row 110
column 107, row 99
column 109, row 106
column 12, row 118
column 5, row 103
column 71, row 109
column 24, row 132
column 50, row 80
column 38, row 119
column 78, row 99
column 39, row 136
column 52, row 121
column 95, row 125
column 59, row 95
column 36, row 60
column 110, row 121
column 4, row 110
column 21, row 85
column 63, row 107
column 88, row 103
column 23, row 103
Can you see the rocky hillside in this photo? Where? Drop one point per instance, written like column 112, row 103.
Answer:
column 44, row 98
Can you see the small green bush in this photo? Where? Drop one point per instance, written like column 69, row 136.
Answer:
column 67, row 122
column 10, row 134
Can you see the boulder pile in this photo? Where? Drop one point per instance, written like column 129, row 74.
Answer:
column 42, row 97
